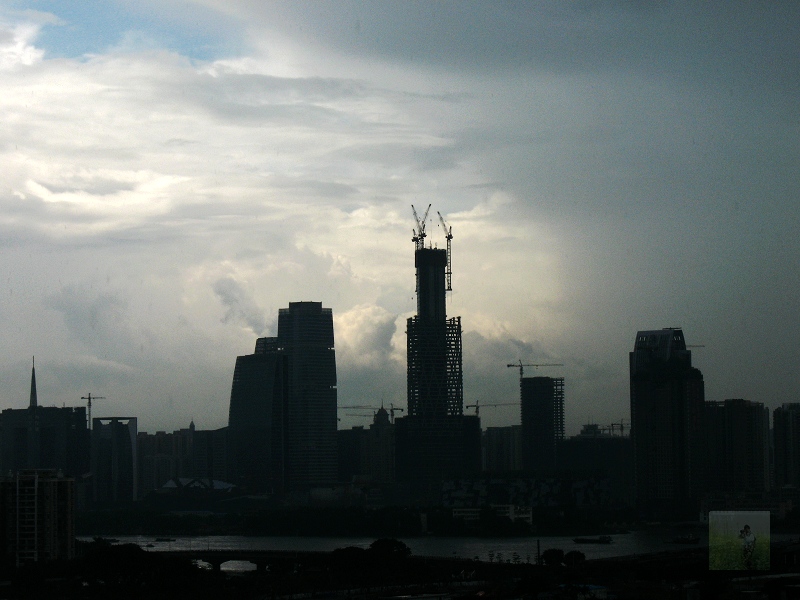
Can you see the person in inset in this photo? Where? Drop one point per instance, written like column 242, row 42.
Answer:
column 748, row 546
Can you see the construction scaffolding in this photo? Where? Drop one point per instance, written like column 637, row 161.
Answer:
column 434, row 373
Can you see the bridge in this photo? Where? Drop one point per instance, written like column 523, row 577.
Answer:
column 260, row 558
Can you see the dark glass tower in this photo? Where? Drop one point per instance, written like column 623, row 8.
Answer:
column 305, row 336
column 667, row 427
column 542, row 417
column 256, row 421
column 282, row 425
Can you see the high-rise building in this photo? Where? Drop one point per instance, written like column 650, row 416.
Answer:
column 37, row 516
column 305, row 335
column 257, row 421
column 737, row 446
column 786, row 425
column 115, row 472
column 435, row 380
column 502, row 449
column 542, row 419
column 282, row 419
column 44, row 437
column 667, row 402
column 436, row 440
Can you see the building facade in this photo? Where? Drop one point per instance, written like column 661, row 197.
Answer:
column 305, row 335
column 667, row 410
column 44, row 437
column 257, row 421
column 502, row 449
column 737, row 447
column 115, row 472
column 37, row 509
column 786, row 426
column 542, row 418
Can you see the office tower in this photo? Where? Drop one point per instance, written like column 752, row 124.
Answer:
column 305, row 336
column 256, row 421
column 542, row 419
column 786, row 425
column 737, row 445
column 44, row 437
column 37, row 514
column 667, row 401
column 435, row 441
column 114, row 460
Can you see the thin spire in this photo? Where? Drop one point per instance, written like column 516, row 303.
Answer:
column 34, row 400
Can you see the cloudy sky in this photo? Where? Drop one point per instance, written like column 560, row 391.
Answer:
column 174, row 172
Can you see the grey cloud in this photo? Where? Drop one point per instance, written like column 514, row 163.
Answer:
column 90, row 317
column 241, row 308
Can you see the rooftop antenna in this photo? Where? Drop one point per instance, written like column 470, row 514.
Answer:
column 448, row 232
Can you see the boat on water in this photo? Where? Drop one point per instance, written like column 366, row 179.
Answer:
column 165, row 540
column 603, row 539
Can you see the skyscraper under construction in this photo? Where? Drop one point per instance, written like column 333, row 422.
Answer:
column 435, row 441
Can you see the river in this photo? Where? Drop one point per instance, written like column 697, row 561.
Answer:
column 636, row 542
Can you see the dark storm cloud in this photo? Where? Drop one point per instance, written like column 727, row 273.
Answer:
column 734, row 40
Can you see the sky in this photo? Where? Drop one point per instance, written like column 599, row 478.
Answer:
column 174, row 172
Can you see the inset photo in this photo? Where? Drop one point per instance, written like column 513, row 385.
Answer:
column 738, row 540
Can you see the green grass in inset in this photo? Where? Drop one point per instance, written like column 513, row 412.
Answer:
column 725, row 553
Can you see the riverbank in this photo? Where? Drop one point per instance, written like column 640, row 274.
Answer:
column 128, row 571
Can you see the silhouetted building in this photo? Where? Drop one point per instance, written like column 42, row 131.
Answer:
column 37, row 510
column 114, row 460
column 786, row 425
column 379, row 449
column 257, row 421
column 737, row 445
column 435, row 441
column 542, row 416
column 596, row 451
column 305, row 335
column 210, row 454
column 44, row 437
column 502, row 449
column 435, row 381
column 367, row 455
column 350, row 447
column 667, row 401
column 156, row 460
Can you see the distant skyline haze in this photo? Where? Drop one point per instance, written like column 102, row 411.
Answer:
column 175, row 172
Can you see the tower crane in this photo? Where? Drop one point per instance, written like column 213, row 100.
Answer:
column 89, row 397
column 419, row 232
column 392, row 408
column 448, row 232
column 520, row 365
column 477, row 406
